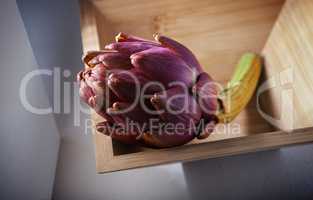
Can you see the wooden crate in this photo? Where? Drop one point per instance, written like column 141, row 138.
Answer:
column 218, row 32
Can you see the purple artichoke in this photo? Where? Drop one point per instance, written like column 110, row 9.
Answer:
column 158, row 87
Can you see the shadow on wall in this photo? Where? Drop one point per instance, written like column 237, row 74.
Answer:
column 277, row 174
column 53, row 28
column 29, row 143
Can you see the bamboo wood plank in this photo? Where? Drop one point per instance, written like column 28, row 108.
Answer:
column 234, row 146
column 90, row 40
column 218, row 32
column 290, row 49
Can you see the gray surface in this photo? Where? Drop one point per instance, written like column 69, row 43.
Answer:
column 29, row 143
column 280, row 174
column 54, row 32
column 286, row 173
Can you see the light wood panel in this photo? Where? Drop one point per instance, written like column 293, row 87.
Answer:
column 218, row 31
column 252, row 143
column 289, row 61
column 90, row 41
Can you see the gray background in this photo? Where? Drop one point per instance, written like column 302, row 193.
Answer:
column 29, row 143
column 53, row 31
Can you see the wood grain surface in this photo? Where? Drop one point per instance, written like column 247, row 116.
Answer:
column 289, row 62
column 218, row 32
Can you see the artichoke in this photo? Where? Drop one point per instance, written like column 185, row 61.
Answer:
column 152, row 93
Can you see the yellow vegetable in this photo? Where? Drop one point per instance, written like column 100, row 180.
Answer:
column 239, row 90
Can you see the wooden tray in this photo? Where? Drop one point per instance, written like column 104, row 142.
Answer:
column 219, row 32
